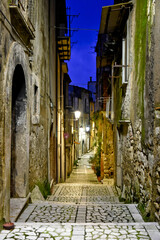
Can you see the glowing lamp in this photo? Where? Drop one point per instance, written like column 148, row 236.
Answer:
column 77, row 114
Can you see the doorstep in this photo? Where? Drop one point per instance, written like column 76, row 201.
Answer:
column 16, row 207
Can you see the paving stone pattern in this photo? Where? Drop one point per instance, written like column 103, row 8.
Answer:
column 41, row 232
column 53, row 213
column 82, row 209
column 60, row 213
column 84, row 193
column 108, row 213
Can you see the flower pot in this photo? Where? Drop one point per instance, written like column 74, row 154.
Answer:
column 8, row 226
column 99, row 178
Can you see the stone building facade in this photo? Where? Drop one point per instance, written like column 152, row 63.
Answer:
column 68, row 128
column 79, row 100
column 103, row 124
column 92, row 89
column 29, row 79
column 135, row 100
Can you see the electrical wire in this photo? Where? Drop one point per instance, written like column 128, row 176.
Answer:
column 77, row 29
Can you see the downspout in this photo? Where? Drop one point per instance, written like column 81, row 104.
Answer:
column 112, row 91
column 49, row 91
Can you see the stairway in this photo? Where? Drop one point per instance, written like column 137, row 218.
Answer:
column 83, row 209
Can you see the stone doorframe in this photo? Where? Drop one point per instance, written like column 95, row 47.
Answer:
column 16, row 57
column 119, row 157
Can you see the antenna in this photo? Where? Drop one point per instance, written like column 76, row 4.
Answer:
column 70, row 20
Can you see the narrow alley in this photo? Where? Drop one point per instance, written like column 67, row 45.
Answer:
column 82, row 209
column 79, row 119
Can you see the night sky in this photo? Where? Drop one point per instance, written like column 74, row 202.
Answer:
column 83, row 58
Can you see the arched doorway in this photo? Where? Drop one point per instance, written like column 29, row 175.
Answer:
column 53, row 158
column 17, row 72
column 19, row 169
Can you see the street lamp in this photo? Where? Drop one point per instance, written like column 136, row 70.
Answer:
column 81, row 138
column 87, row 129
column 77, row 114
column 76, row 124
column 81, row 129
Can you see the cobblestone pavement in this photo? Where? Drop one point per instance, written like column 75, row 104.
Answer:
column 82, row 209
column 82, row 213
column 39, row 231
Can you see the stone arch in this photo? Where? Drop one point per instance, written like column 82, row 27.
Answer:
column 16, row 72
column 18, row 134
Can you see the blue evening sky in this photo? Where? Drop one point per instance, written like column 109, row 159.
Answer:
column 83, row 58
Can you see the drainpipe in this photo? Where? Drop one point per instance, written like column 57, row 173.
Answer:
column 112, row 91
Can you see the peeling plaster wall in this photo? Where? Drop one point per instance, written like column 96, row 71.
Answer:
column 40, row 78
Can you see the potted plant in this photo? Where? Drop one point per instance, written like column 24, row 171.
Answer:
column 98, row 172
column 8, row 226
column 96, row 166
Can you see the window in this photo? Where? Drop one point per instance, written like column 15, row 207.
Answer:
column 35, row 99
column 125, row 55
column 76, row 103
column 85, row 105
column 108, row 107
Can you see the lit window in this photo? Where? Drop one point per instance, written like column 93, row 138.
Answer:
column 125, row 55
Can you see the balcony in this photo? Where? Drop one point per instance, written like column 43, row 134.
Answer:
column 64, row 48
column 20, row 21
column 114, row 17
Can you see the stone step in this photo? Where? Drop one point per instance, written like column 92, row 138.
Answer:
column 16, row 207
column 83, row 231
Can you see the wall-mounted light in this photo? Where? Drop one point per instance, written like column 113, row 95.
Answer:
column 51, row 104
column 72, row 130
column 77, row 114
column 87, row 129
column 81, row 129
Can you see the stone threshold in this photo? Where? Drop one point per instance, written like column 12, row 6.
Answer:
column 150, row 227
column 16, row 207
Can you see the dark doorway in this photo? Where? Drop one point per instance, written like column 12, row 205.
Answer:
column 53, row 156
column 19, row 137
